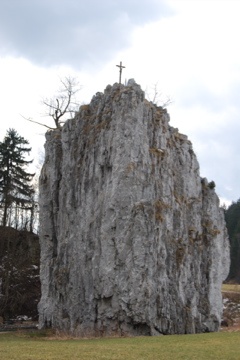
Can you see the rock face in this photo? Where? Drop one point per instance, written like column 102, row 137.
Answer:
column 132, row 239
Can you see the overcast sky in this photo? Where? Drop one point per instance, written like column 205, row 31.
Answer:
column 189, row 48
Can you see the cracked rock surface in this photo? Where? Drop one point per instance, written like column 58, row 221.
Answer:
column 133, row 240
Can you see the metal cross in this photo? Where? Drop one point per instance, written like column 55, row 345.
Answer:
column 120, row 71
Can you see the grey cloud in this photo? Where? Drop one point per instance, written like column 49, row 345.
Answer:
column 197, row 94
column 218, row 159
column 218, row 145
column 72, row 32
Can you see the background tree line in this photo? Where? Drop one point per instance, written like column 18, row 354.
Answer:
column 232, row 217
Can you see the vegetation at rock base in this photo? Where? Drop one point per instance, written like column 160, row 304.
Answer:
column 232, row 217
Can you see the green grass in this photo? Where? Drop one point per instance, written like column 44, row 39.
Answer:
column 212, row 346
column 231, row 287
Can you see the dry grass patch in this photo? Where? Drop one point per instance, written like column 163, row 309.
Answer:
column 231, row 288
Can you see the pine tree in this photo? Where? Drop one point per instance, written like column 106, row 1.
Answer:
column 16, row 191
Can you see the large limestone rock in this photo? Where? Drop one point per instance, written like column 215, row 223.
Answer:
column 132, row 239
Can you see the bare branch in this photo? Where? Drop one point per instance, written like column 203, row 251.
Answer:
column 157, row 98
column 36, row 122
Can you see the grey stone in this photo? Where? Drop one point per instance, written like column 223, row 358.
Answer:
column 132, row 240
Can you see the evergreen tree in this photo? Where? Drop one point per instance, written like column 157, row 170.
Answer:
column 16, row 191
column 232, row 217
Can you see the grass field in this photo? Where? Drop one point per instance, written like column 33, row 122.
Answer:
column 212, row 346
column 224, row 345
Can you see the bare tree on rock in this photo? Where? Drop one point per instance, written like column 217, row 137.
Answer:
column 157, row 97
column 64, row 103
column 61, row 106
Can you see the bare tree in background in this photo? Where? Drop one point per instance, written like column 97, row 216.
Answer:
column 63, row 105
